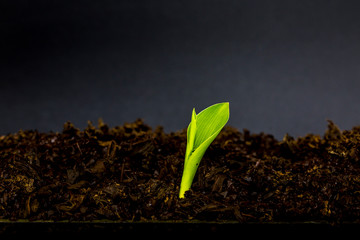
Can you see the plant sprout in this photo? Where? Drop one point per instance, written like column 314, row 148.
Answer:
column 201, row 132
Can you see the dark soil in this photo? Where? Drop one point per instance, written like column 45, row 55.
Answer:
column 132, row 172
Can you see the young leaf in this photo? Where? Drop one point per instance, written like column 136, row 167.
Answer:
column 191, row 135
column 201, row 132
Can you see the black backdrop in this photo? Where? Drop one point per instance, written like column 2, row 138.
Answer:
column 285, row 66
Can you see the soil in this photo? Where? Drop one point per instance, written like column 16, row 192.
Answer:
column 133, row 172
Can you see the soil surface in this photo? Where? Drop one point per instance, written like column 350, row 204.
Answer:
column 133, row 172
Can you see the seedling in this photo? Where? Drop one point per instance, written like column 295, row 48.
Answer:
column 201, row 132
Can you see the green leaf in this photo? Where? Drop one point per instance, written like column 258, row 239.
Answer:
column 191, row 136
column 201, row 132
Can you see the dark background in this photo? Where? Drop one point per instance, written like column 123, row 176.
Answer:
column 284, row 66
